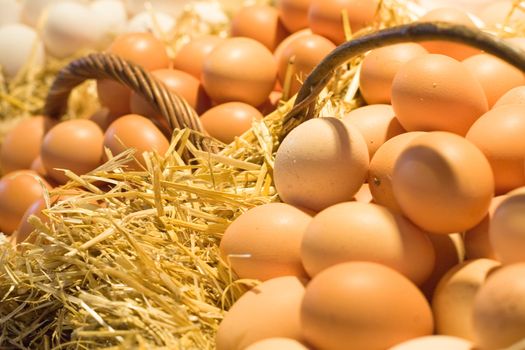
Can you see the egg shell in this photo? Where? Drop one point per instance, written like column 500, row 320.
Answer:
column 10, row 12
column 114, row 96
column 364, row 195
column 25, row 229
column 362, row 306
column 449, row 251
column 265, row 242
column 499, row 310
column 38, row 167
column 261, row 23
column 277, row 343
column 269, row 310
column 156, row 22
column 379, row 68
column 293, row 13
column 170, row 7
column 496, row 13
column 21, row 145
column 181, row 83
column 507, row 228
column 33, row 10
column 469, row 6
column 434, row 342
column 324, row 17
column 436, row 92
column 23, row 45
column 241, row 70
column 382, row 167
column 350, row 232
column 271, row 103
column 18, row 190
column 376, row 123
column 321, row 162
column 505, row 154
column 453, row 299
column 102, row 117
column 135, row 131
column 477, row 239
column 451, row 49
column 110, row 19
column 229, row 120
column 495, row 75
column 443, row 183
column 190, row 58
column 75, row 145
column 513, row 96
column 306, row 51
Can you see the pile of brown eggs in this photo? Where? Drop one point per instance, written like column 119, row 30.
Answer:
column 402, row 224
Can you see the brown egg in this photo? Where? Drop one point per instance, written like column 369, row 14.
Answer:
column 18, row 190
column 261, row 23
column 38, row 166
column 143, row 49
column 277, row 53
column 265, row 242
column 306, row 51
column 382, row 167
column 269, row 310
column 293, row 13
column 507, row 228
column 324, row 17
column 454, row 297
column 350, row 232
column 135, row 131
column 495, row 75
column 181, row 83
column 277, row 343
column 379, row 68
column 436, row 92
column 25, row 228
column 449, row 251
column 320, row 163
column 452, row 15
column 271, row 103
column 239, row 69
column 75, row 145
column 229, row 120
column 191, row 56
column 364, row 195
column 499, row 311
column 499, row 135
column 443, row 183
column 434, row 342
column 513, row 96
column 362, row 306
column 377, row 124
column 497, row 13
column 21, row 145
column 477, row 239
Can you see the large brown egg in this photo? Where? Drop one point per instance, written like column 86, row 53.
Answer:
column 379, row 68
column 513, row 96
column 18, row 190
column 499, row 310
column 499, row 135
column 135, row 131
column 325, row 17
column 21, row 144
column 443, row 183
column 75, row 145
column 321, row 162
column 377, row 124
column 277, row 53
column 293, row 13
column 454, row 297
column 350, row 232
column 363, row 306
column 452, row 49
column 191, row 56
column 265, row 242
column 261, row 23
column 239, row 69
column 306, row 51
column 436, row 92
column 269, row 310
column 495, row 75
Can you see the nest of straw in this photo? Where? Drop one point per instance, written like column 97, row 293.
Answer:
column 130, row 259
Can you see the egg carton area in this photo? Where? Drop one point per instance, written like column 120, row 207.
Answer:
column 261, row 175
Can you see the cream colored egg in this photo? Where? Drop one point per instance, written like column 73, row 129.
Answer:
column 434, row 342
column 110, row 18
column 156, row 22
column 10, row 12
column 19, row 45
column 171, row 7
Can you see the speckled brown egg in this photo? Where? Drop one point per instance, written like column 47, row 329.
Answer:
column 293, row 13
column 443, row 183
column 190, row 58
column 75, row 145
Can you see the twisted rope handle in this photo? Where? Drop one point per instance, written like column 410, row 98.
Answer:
column 175, row 109
column 415, row 32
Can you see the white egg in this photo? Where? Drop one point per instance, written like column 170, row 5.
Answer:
column 68, row 28
column 172, row 7
column 33, row 9
column 110, row 20
column 151, row 21
column 19, row 44
column 10, row 12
